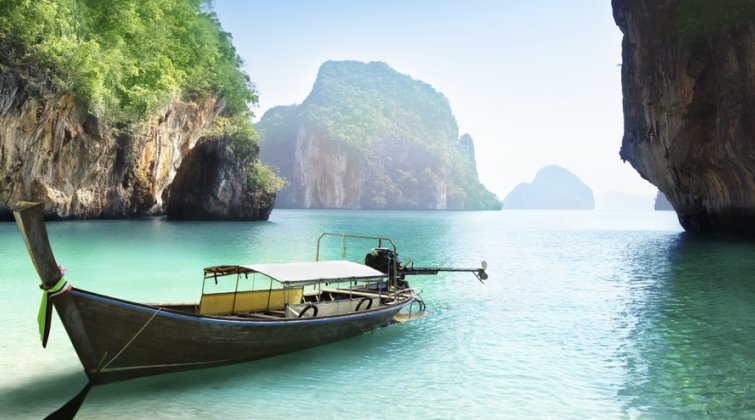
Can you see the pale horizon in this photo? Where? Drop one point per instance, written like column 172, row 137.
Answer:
column 534, row 84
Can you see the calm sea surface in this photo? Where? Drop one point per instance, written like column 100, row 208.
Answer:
column 585, row 314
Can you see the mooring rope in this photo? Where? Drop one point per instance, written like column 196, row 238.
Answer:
column 69, row 409
column 133, row 338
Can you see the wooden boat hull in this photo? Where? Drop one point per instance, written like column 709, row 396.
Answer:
column 129, row 339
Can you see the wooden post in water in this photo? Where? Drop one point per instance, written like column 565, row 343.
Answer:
column 30, row 219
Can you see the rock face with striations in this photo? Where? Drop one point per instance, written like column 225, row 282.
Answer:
column 212, row 183
column 688, row 83
column 101, row 101
column 52, row 151
column 79, row 167
column 368, row 137
column 553, row 188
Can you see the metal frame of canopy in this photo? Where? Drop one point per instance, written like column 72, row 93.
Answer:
column 392, row 278
column 299, row 275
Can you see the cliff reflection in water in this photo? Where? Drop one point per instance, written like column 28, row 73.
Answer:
column 690, row 348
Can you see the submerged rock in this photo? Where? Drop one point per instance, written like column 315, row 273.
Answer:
column 213, row 183
column 689, row 106
column 553, row 188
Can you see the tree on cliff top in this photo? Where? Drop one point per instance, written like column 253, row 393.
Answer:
column 359, row 103
column 124, row 60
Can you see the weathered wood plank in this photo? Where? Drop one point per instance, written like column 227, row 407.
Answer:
column 30, row 219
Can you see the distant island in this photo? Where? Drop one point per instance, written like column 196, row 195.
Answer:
column 553, row 188
column 368, row 137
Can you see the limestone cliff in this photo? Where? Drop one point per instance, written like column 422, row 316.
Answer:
column 213, row 183
column 662, row 203
column 53, row 151
column 688, row 82
column 101, row 101
column 368, row 137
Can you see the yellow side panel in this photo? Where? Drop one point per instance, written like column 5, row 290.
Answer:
column 216, row 304
column 224, row 303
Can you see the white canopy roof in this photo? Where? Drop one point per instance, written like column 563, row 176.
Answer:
column 309, row 272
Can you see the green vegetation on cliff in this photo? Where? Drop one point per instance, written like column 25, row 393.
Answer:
column 123, row 60
column 245, row 142
column 127, row 65
column 357, row 103
column 697, row 19
column 397, row 137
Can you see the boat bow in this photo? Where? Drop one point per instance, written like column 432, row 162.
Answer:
column 30, row 219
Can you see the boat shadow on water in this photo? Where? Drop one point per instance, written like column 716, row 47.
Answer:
column 44, row 394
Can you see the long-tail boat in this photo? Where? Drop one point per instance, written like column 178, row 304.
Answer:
column 266, row 309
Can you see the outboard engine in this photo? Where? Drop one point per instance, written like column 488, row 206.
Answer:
column 382, row 259
column 386, row 261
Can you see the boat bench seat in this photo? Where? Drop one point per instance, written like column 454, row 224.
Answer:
column 354, row 292
column 333, row 307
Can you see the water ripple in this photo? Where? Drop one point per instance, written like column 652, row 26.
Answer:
column 585, row 315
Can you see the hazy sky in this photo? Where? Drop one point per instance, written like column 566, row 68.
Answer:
column 533, row 82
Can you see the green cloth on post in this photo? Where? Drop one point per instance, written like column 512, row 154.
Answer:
column 43, row 318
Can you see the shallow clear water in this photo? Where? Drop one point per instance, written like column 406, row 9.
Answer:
column 586, row 314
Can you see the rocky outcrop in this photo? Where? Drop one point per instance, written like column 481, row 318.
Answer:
column 553, row 188
column 212, row 183
column 689, row 106
column 368, row 137
column 662, row 203
column 79, row 166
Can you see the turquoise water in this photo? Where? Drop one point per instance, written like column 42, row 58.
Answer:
column 585, row 315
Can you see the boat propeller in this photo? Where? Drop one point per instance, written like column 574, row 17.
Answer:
column 481, row 274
